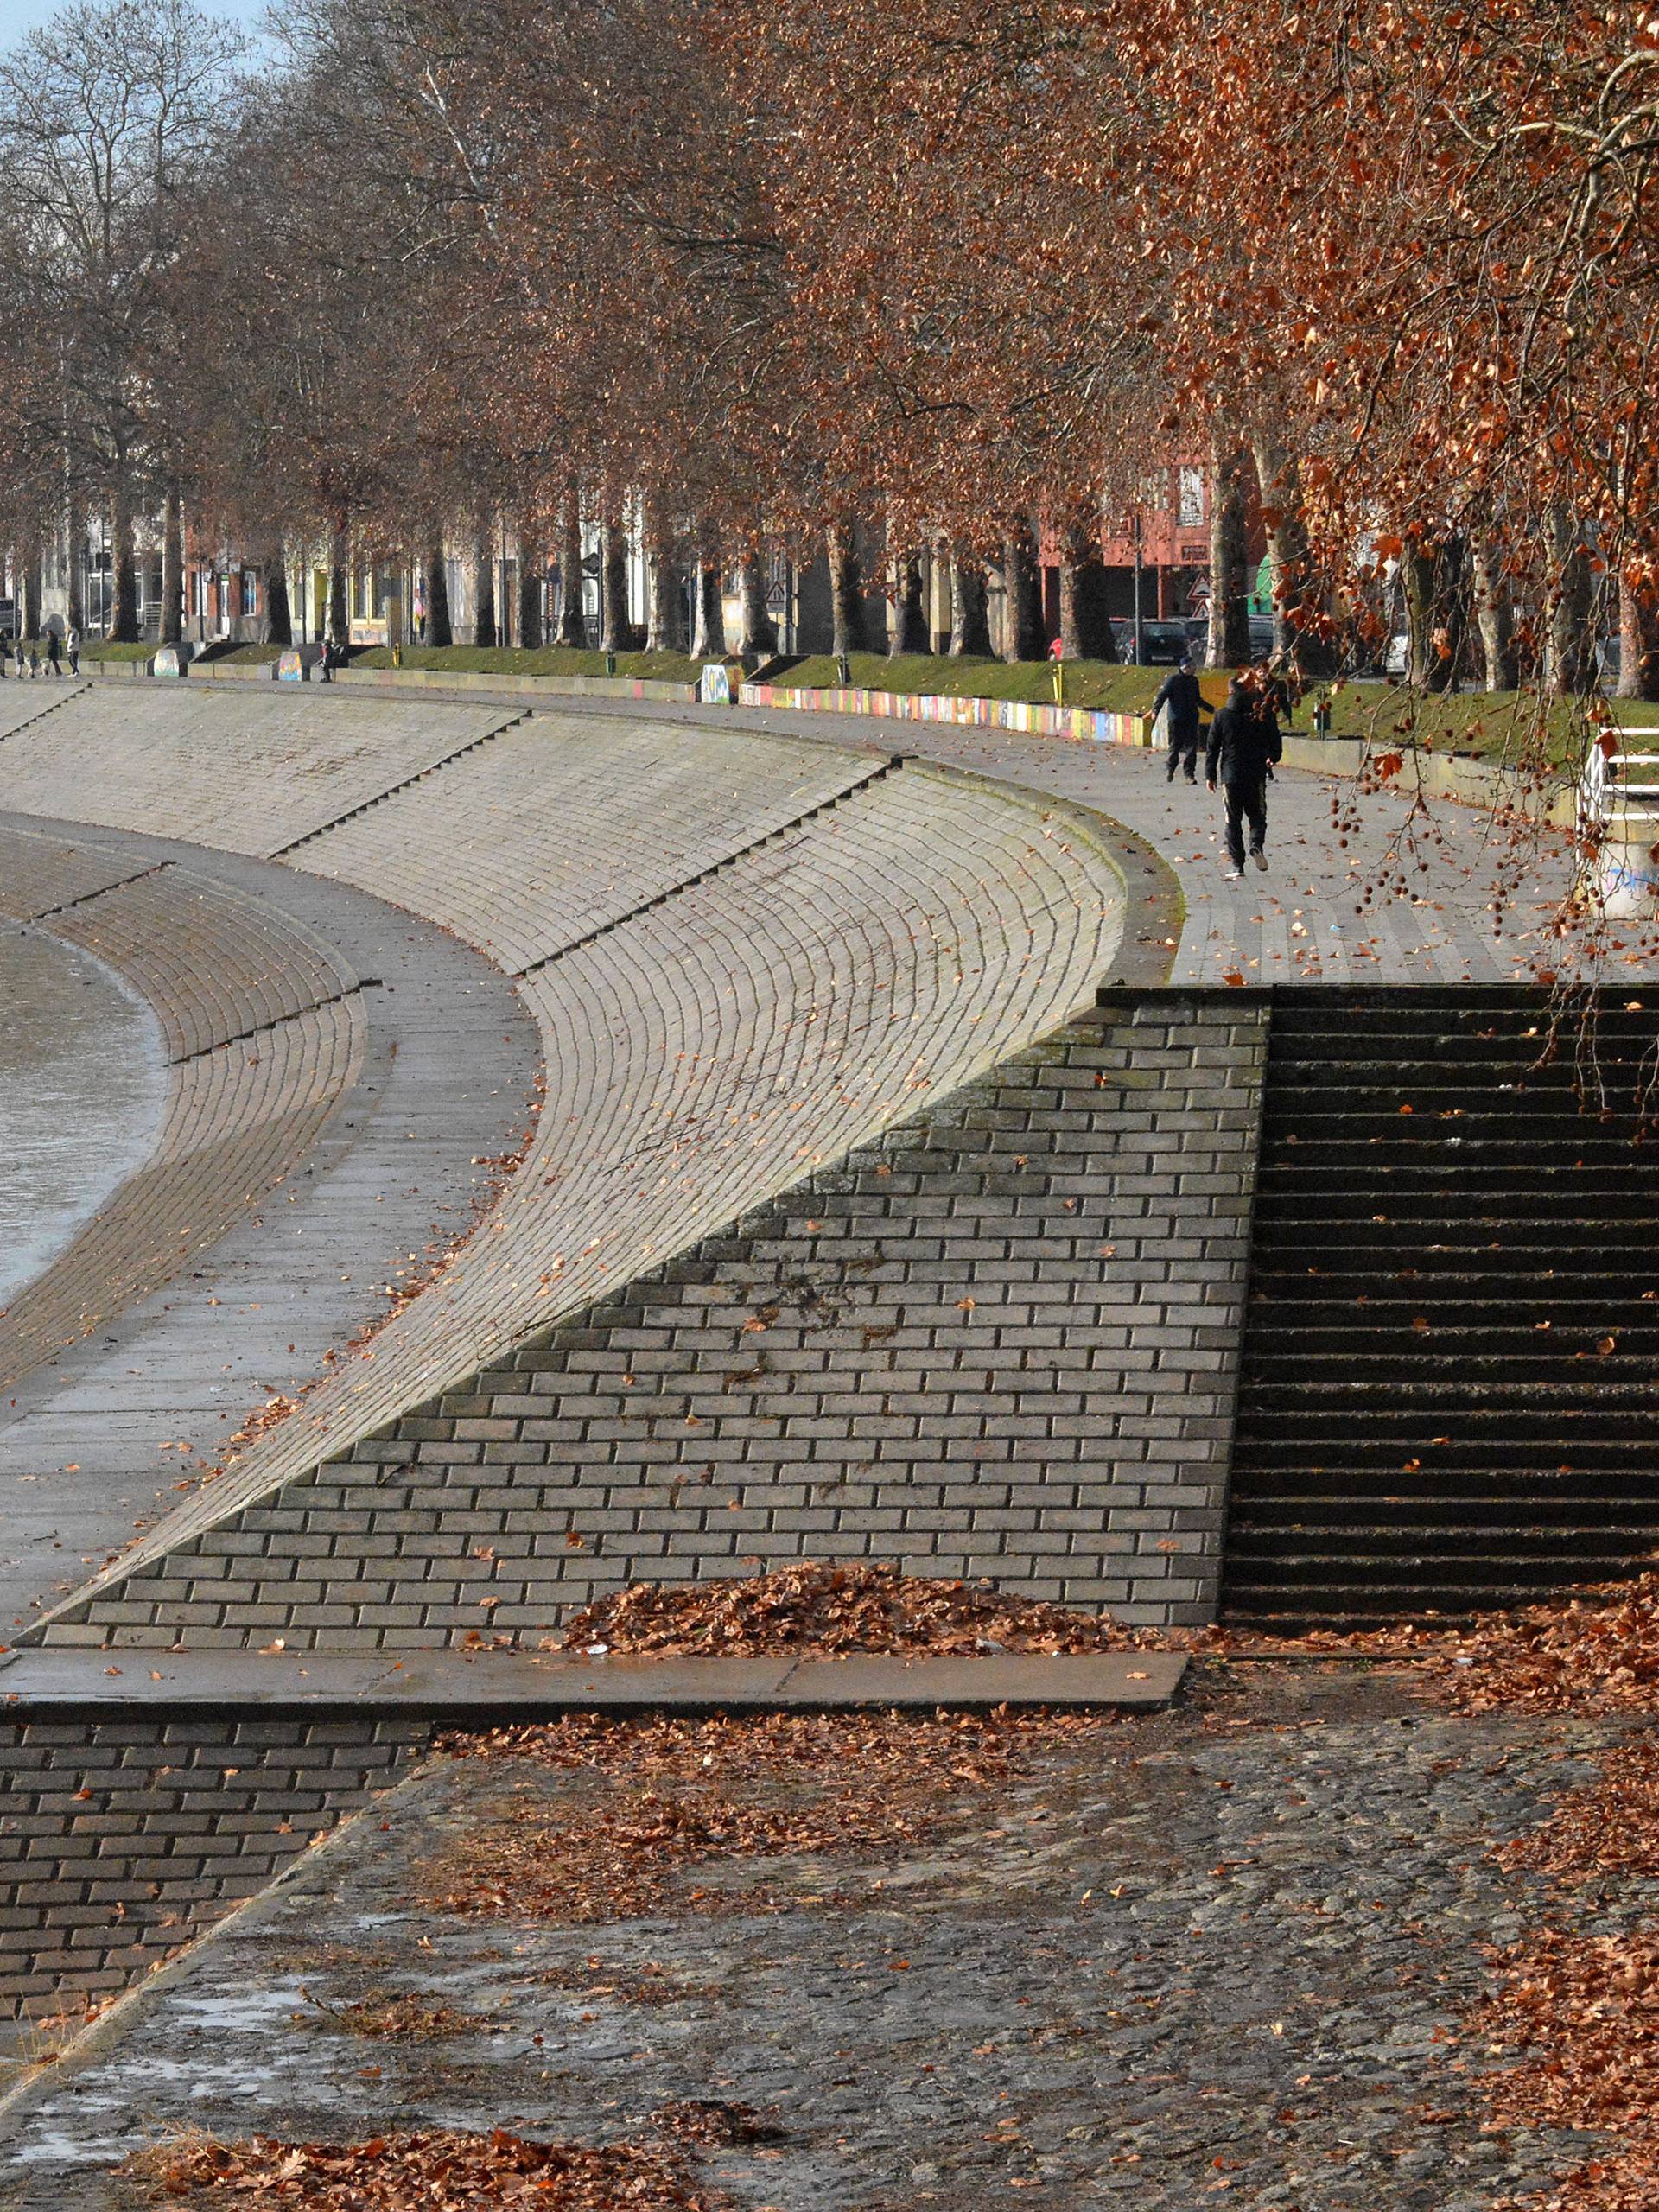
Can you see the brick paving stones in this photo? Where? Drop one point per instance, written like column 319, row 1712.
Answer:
column 213, row 964
column 242, row 771
column 999, row 1339
column 487, row 848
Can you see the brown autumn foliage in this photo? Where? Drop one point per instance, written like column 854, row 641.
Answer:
column 437, row 2168
column 945, row 269
column 663, row 1800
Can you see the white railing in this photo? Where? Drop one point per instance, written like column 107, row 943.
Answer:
column 1618, row 800
column 1608, row 790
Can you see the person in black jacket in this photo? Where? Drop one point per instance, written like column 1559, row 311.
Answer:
column 1183, row 702
column 1245, row 743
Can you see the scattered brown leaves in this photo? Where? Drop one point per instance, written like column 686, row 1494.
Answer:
column 1609, row 1828
column 401, row 2013
column 673, row 1795
column 714, row 2124
column 444, row 2170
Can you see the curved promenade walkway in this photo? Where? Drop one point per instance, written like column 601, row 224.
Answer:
column 743, row 959
column 337, row 1074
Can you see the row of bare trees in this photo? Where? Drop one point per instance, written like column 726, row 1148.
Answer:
column 868, row 278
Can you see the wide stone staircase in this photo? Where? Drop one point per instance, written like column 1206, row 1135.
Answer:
column 1447, row 1396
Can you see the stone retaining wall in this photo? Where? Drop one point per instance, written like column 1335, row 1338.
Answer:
column 1000, row 1339
column 120, row 1840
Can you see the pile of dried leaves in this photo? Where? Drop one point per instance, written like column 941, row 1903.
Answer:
column 673, row 1795
column 1574, row 2021
column 1598, row 1652
column 398, row 2173
column 822, row 1605
column 1578, row 2016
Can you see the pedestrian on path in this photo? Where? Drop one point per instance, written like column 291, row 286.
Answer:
column 54, row 652
column 1182, row 703
column 22, row 660
column 73, row 642
column 1244, row 743
column 34, row 658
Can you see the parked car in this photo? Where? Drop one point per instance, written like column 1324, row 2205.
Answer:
column 1162, row 644
column 8, row 619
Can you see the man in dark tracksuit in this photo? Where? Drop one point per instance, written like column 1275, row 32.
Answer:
column 1183, row 702
column 1245, row 743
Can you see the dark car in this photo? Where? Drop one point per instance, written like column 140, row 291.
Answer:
column 1162, row 644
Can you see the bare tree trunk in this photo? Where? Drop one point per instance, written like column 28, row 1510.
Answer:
column 1230, row 603
column 532, row 587
column 1638, row 644
column 616, row 631
column 1290, row 560
column 481, row 584
column 708, row 605
column 1437, row 612
column 907, row 606
column 971, row 633
column 1086, row 627
column 1022, row 593
column 665, row 629
column 846, row 601
column 760, row 631
column 124, row 623
column 172, row 628
column 1570, row 659
column 279, row 617
column 76, row 552
column 31, row 607
column 340, row 618
column 440, row 630
column 573, row 616
column 1494, row 611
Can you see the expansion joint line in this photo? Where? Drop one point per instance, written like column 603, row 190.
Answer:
column 276, row 1021
column 716, row 868
column 73, row 691
column 281, row 852
column 86, row 898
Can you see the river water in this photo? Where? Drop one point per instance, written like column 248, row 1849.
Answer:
column 82, row 1083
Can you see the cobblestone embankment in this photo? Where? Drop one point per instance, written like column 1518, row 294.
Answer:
column 1215, row 1958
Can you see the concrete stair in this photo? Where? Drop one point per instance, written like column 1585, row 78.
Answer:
column 1446, row 1398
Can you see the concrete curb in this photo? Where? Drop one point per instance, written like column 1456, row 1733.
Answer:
column 462, row 1686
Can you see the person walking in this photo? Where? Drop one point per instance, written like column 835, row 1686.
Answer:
column 54, row 653
column 1182, row 703
column 74, row 643
column 34, row 658
column 22, row 660
column 1244, row 743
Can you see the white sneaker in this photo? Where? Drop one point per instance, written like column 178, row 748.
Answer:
column 1232, row 874
column 1259, row 857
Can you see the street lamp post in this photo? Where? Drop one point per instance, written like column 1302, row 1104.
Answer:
column 1139, row 656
